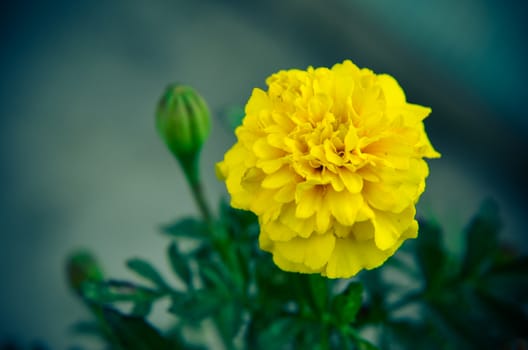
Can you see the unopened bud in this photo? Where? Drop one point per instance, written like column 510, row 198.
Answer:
column 82, row 267
column 183, row 120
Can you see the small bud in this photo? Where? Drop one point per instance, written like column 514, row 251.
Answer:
column 183, row 120
column 82, row 267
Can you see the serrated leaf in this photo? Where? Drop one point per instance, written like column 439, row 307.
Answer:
column 507, row 318
column 197, row 306
column 319, row 291
column 481, row 238
column 347, row 304
column 148, row 272
column 405, row 334
column 115, row 291
column 512, row 277
column 215, row 278
column 431, row 254
column 180, row 264
column 277, row 334
column 229, row 319
column 141, row 308
column 135, row 333
column 363, row 344
column 189, row 227
column 242, row 223
column 459, row 315
column 515, row 267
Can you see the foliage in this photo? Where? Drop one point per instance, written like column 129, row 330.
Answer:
column 225, row 278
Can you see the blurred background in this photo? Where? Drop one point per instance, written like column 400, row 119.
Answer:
column 81, row 164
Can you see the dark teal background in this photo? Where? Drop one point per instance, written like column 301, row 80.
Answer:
column 81, row 165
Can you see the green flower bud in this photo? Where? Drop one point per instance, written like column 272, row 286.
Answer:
column 82, row 267
column 183, row 120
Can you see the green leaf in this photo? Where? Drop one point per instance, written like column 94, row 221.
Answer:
column 242, row 223
column 366, row 345
column 347, row 304
column 507, row 318
column 135, row 333
column 412, row 335
column 145, row 270
column 188, row 227
column 376, row 293
column 512, row 277
column 197, row 305
column 319, row 291
column 229, row 319
column 482, row 238
column 180, row 264
column 215, row 276
column 431, row 254
column 141, row 309
column 276, row 334
column 517, row 267
column 461, row 316
column 116, row 291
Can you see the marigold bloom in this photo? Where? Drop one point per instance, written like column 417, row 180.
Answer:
column 331, row 162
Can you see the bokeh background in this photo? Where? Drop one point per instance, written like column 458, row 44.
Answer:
column 81, row 164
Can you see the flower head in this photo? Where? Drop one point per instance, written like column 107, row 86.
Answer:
column 331, row 162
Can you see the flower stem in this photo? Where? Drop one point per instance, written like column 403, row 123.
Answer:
column 197, row 191
column 190, row 168
column 325, row 338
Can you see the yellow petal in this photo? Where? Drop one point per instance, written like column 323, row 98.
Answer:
column 363, row 230
column 290, row 266
column 351, row 139
column 344, row 206
column 286, row 194
column 312, row 252
column 350, row 256
column 265, row 243
column 323, row 218
column 352, row 181
column 390, row 227
column 380, row 196
column 264, row 150
column 417, row 112
column 308, row 199
column 303, row 227
column 270, row 166
column 258, row 101
column 341, row 231
column 394, row 95
column 331, row 153
column 279, row 178
column 276, row 231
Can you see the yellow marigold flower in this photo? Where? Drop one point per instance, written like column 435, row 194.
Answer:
column 331, row 162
